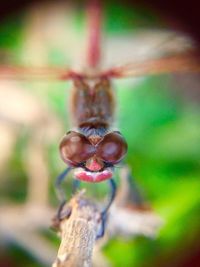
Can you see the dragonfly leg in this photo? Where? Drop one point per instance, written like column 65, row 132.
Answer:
column 75, row 186
column 59, row 190
column 104, row 212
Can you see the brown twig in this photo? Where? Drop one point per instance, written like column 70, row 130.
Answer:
column 128, row 216
column 78, row 230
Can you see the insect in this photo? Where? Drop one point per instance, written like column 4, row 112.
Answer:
column 94, row 149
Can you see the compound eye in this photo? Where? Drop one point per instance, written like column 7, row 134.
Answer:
column 112, row 148
column 75, row 148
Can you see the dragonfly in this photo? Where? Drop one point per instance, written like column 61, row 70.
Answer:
column 94, row 149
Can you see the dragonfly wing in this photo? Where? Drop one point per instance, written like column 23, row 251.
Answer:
column 180, row 63
column 140, row 45
column 50, row 38
column 35, row 73
column 149, row 52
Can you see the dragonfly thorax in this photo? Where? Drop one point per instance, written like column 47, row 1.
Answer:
column 92, row 105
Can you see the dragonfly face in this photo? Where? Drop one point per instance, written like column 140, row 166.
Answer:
column 94, row 156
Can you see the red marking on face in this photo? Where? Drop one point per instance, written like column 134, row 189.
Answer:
column 94, row 164
column 93, row 177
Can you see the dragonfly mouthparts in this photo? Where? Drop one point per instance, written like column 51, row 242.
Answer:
column 94, row 164
column 93, row 177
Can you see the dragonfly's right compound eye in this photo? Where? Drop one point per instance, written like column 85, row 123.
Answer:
column 112, row 148
column 75, row 148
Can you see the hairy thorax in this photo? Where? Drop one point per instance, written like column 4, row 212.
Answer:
column 92, row 103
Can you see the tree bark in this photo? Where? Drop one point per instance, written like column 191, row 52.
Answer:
column 78, row 230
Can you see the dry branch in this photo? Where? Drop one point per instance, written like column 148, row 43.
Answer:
column 78, row 230
column 128, row 217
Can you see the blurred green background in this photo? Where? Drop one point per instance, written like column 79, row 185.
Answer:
column 162, row 128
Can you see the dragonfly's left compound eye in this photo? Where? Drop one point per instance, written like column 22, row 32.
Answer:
column 75, row 148
column 112, row 148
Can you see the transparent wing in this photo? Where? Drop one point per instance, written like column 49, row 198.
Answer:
column 35, row 73
column 180, row 63
column 139, row 45
column 50, row 36
column 149, row 52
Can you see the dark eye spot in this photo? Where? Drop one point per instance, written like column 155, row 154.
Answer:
column 75, row 148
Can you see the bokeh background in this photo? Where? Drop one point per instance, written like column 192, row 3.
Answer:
column 159, row 116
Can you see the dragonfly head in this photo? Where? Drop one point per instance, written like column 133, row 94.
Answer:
column 94, row 157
